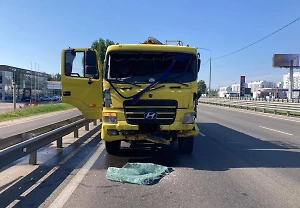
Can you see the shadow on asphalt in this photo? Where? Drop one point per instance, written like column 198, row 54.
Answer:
column 220, row 150
column 40, row 193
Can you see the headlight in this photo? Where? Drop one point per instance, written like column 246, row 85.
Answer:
column 110, row 118
column 189, row 118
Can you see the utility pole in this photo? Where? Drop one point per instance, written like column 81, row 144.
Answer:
column 30, row 79
column 35, row 80
column 209, row 77
column 291, row 81
column 38, row 80
column 14, row 94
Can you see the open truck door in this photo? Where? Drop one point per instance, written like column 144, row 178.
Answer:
column 81, row 80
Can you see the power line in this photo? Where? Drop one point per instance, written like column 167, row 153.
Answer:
column 258, row 40
column 205, row 63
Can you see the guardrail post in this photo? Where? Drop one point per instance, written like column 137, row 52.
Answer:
column 76, row 133
column 87, row 127
column 95, row 123
column 59, row 142
column 33, row 158
column 32, row 155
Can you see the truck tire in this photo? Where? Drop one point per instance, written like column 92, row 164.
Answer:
column 113, row 147
column 186, row 144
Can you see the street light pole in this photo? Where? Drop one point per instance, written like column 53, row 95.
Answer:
column 209, row 77
column 14, row 94
column 209, row 84
column 35, row 80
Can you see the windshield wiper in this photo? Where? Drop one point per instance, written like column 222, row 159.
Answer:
column 177, row 82
column 151, row 89
column 125, row 82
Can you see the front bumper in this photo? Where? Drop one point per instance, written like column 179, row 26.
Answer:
column 123, row 131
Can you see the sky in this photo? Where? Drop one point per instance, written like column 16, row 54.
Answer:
column 35, row 31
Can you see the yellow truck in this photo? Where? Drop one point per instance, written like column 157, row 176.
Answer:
column 144, row 92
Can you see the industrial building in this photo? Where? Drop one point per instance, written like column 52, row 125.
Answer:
column 28, row 83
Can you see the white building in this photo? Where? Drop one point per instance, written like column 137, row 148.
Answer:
column 236, row 87
column 296, row 80
column 224, row 90
column 286, row 80
column 256, row 85
column 280, row 84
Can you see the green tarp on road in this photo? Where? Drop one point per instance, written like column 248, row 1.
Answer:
column 138, row 173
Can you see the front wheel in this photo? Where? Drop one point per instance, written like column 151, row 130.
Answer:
column 113, row 147
column 186, row 144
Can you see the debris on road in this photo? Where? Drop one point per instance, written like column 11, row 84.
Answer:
column 138, row 173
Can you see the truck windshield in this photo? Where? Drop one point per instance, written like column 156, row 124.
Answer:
column 141, row 67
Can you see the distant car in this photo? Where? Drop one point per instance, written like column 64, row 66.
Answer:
column 45, row 99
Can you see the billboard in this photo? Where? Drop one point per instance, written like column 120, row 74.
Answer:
column 286, row 60
column 242, row 86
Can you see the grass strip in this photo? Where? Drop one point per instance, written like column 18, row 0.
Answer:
column 34, row 110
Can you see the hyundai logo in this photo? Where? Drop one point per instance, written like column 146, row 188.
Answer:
column 150, row 115
column 151, row 80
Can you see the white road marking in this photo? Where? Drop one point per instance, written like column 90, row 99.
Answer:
column 208, row 112
column 56, row 167
column 51, row 171
column 202, row 134
column 71, row 187
column 245, row 111
column 276, row 130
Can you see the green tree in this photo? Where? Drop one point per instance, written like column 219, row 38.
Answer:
column 202, row 86
column 57, row 77
column 49, row 78
column 213, row 93
column 101, row 46
column 54, row 77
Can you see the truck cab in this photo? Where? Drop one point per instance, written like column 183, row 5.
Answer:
column 143, row 92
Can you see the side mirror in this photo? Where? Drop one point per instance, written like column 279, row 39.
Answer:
column 199, row 94
column 199, row 63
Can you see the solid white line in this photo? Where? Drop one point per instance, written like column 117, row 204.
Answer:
column 51, row 171
column 208, row 112
column 71, row 187
column 202, row 134
column 276, row 130
column 56, row 167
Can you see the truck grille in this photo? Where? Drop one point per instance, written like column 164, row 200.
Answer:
column 151, row 112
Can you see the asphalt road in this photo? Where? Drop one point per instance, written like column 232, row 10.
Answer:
column 241, row 159
column 9, row 128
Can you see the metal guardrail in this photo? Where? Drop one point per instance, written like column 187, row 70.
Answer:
column 275, row 107
column 294, row 100
column 20, row 137
column 31, row 144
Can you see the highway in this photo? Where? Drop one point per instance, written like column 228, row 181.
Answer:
column 17, row 126
column 240, row 159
